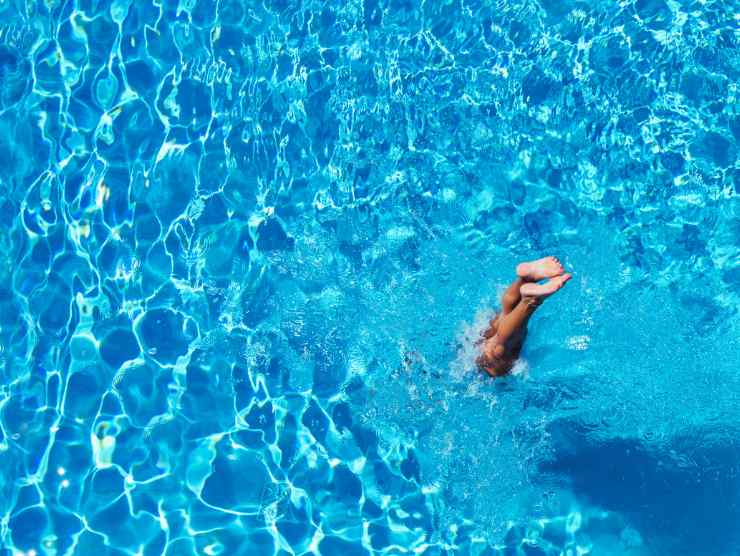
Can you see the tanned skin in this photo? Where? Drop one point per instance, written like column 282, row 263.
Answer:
column 502, row 341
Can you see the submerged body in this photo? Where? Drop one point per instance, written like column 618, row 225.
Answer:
column 502, row 341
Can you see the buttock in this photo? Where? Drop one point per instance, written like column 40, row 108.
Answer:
column 492, row 329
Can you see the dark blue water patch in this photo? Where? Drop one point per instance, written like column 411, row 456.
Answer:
column 314, row 477
column 257, row 304
column 14, row 77
column 83, row 395
column 329, row 371
column 144, row 501
column 243, row 390
column 380, row 536
column 288, row 441
column 144, row 390
column 41, row 254
column 370, row 510
column 101, row 35
column 181, row 546
column 731, row 277
column 276, row 372
column 296, row 527
column 95, row 543
column 250, row 438
column 28, row 496
column 162, row 331
column 116, row 207
column 261, row 417
column 540, row 227
column 673, row 162
column 341, row 416
column 271, row 236
column 53, row 389
column 103, row 488
column 146, row 225
column 131, row 446
column 537, row 87
column 656, row 13
column 194, row 100
column 258, row 542
column 410, row 467
column 316, row 421
column 702, row 87
column 202, row 516
column 8, row 213
column 110, row 409
column 82, row 112
column 734, row 125
column 337, row 546
column 208, row 387
column 72, row 447
column 65, row 526
column 322, row 128
column 28, row 527
column 141, row 78
column 693, row 239
column 75, row 271
column 225, row 252
column 346, row 486
column 707, row 313
column 118, row 347
column 238, row 483
column 116, row 522
column 103, row 503
column 683, row 504
column 13, row 328
column 389, row 482
column 138, row 133
column 714, row 147
column 53, row 302
column 172, row 184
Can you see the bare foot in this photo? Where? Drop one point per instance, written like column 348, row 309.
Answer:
column 544, row 290
column 533, row 271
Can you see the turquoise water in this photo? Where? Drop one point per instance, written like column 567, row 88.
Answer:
column 246, row 248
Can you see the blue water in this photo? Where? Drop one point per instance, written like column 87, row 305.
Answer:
column 246, row 249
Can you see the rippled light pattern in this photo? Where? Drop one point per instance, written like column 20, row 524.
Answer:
column 246, row 248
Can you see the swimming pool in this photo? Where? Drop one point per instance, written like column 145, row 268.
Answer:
column 246, row 249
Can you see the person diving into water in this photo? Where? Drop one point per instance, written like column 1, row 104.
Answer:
column 502, row 341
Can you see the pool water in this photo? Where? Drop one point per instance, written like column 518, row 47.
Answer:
column 246, row 249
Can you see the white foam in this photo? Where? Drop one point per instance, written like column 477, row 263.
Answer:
column 467, row 338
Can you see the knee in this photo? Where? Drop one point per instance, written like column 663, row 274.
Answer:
column 532, row 302
column 511, row 298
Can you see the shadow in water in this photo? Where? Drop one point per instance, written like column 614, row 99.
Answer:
column 683, row 495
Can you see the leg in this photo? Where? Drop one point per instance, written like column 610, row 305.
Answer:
column 511, row 297
column 516, row 321
column 532, row 296
column 509, row 300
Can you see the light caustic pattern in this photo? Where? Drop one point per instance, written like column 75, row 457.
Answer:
column 246, row 249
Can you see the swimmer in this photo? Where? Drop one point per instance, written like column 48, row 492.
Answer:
column 503, row 340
